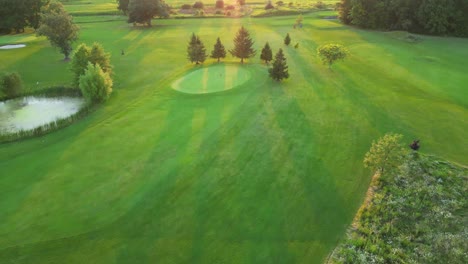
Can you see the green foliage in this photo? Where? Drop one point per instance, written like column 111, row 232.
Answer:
column 18, row 14
column 123, row 5
column 57, row 25
column 280, row 67
column 11, row 84
column 416, row 215
column 329, row 53
column 267, row 54
column 196, row 50
column 269, row 5
column 94, row 54
column 95, row 84
column 287, row 40
column 439, row 17
column 142, row 11
column 243, row 45
column 218, row 50
column 387, row 154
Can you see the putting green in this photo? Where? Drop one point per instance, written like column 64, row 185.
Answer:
column 212, row 79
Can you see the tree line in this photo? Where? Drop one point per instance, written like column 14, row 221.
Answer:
column 435, row 17
column 16, row 15
column 243, row 49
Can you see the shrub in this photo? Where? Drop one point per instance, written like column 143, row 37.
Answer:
column 280, row 3
column 11, row 84
column 186, row 6
column 218, row 12
column 219, row 4
column 95, row 84
column 228, row 13
column 230, row 7
column 291, row 4
column 198, row 5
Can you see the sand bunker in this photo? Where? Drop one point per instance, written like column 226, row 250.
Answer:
column 16, row 46
column 212, row 79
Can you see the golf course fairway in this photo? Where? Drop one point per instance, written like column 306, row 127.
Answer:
column 217, row 163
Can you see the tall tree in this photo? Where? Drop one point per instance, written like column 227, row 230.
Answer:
column 280, row 67
column 122, row 5
column 94, row 55
column 287, row 40
column 243, row 45
column 57, row 25
column 267, row 54
column 95, row 84
column 18, row 14
column 218, row 50
column 142, row 11
column 196, row 50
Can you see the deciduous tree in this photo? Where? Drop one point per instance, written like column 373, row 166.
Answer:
column 11, row 84
column 142, row 11
column 57, row 25
column 95, row 84
column 329, row 53
column 95, row 55
column 386, row 154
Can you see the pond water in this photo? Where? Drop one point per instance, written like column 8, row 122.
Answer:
column 27, row 113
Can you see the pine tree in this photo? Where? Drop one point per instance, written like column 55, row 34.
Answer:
column 196, row 50
column 243, row 45
column 280, row 68
column 267, row 54
column 218, row 50
column 287, row 40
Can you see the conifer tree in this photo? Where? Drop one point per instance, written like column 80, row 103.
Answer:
column 267, row 54
column 280, row 68
column 218, row 50
column 196, row 50
column 287, row 40
column 243, row 45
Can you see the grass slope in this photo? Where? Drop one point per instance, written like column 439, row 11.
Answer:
column 267, row 172
column 417, row 215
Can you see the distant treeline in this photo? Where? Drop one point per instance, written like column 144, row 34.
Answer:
column 18, row 14
column 435, row 17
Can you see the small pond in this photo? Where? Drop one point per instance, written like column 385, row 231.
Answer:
column 27, row 113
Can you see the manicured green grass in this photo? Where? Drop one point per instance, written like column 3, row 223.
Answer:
column 264, row 173
column 216, row 78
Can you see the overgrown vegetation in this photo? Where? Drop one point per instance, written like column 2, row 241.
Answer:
column 416, row 215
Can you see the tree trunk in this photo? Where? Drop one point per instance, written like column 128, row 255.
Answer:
column 218, row 60
column 242, row 60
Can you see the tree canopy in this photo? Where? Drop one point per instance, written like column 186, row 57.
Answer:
column 57, row 25
column 218, row 50
column 196, row 50
column 280, row 67
column 243, row 45
column 18, row 14
column 329, row 53
column 287, row 40
column 95, row 84
column 438, row 17
column 142, row 11
column 267, row 54
column 94, row 55
column 386, row 154
column 11, row 84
